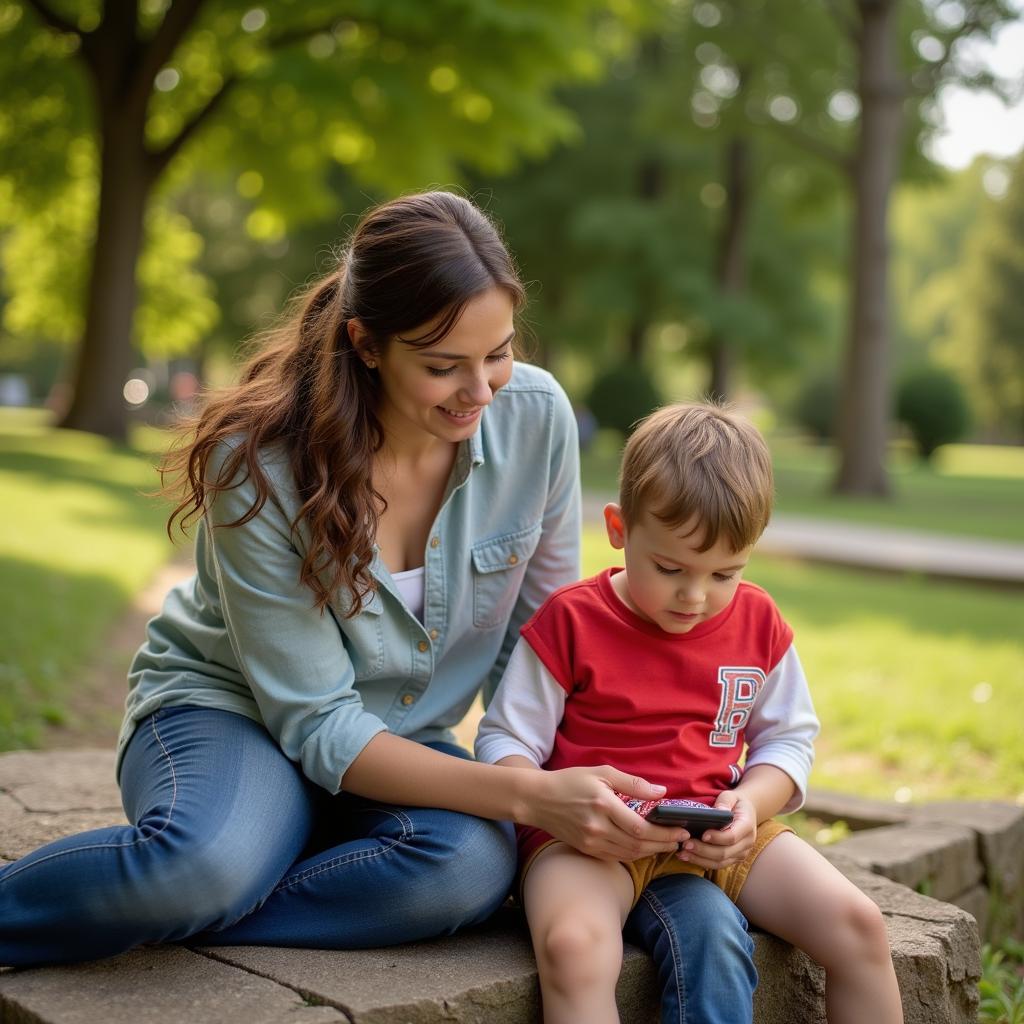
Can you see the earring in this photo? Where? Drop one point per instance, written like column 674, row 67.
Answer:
column 371, row 364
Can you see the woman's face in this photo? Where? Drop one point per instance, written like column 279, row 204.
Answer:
column 442, row 391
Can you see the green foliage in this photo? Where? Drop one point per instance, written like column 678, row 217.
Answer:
column 932, row 405
column 987, row 342
column 816, row 406
column 396, row 94
column 1002, row 984
column 637, row 247
column 622, row 395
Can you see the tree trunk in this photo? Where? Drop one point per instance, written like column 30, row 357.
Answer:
column 105, row 355
column 865, row 398
column 731, row 269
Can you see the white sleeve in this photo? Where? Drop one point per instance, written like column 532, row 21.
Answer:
column 783, row 725
column 524, row 713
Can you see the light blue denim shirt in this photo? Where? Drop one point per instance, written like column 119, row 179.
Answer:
column 244, row 635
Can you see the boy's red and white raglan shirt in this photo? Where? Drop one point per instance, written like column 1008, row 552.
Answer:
column 591, row 683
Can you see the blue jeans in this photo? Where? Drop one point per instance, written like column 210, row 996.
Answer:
column 232, row 845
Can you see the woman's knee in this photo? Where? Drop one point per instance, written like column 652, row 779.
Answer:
column 468, row 872
column 181, row 885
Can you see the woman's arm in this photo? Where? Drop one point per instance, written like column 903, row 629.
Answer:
column 576, row 805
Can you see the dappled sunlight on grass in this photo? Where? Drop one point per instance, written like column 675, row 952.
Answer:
column 918, row 684
column 82, row 541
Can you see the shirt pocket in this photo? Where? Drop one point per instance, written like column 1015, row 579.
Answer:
column 363, row 635
column 499, row 564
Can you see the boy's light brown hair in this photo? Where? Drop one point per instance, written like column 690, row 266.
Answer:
column 699, row 463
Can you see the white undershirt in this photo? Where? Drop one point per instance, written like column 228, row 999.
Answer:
column 410, row 586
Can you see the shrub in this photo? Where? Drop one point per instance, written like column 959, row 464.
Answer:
column 932, row 404
column 622, row 395
column 817, row 407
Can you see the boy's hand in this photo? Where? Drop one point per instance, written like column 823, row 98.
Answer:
column 722, row 847
column 580, row 807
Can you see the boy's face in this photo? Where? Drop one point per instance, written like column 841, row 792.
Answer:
column 667, row 580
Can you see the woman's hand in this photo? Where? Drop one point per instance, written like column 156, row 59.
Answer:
column 724, row 846
column 579, row 807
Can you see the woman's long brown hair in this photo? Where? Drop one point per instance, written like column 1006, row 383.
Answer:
column 416, row 259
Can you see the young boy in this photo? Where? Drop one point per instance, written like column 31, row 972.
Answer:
column 666, row 669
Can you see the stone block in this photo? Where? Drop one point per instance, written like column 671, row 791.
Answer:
column 938, row 860
column 1000, row 831
column 486, row 975
column 858, row 812
column 935, row 948
column 22, row 831
column 977, row 903
column 72, row 780
column 167, row 985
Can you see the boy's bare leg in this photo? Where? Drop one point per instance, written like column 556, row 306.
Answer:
column 576, row 907
column 793, row 892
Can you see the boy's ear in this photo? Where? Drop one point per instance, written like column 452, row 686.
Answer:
column 615, row 525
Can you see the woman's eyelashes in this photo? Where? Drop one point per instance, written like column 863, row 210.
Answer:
column 447, row 371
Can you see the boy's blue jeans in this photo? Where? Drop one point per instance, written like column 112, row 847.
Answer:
column 232, row 845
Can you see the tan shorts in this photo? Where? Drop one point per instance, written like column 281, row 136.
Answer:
column 645, row 870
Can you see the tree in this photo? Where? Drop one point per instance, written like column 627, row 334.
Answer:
column 108, row 110
column 898, row 55
column 987, row 336
column 665, row 224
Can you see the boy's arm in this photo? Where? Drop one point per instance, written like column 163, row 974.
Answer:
column 780, row 735
column 523, row 716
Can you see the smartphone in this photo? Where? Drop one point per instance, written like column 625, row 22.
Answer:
column 695, row 819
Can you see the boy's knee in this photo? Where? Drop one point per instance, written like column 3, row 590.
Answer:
column 578, row 952
column 861, row 930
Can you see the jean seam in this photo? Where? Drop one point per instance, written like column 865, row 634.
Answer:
column 659, row 912
column 408, row 832
column 115, row 846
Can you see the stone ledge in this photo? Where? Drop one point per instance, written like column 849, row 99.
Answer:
column 484, row 976
column 970, row 853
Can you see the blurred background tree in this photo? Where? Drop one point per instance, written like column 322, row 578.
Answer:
column 700, row 189
column 112, row 109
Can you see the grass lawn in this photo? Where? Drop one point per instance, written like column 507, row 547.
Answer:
column 918, row 684
column 977, row 490
column 80, row 541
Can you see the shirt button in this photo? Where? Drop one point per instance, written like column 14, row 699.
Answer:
column 423, row 647
column 407, row 699
column 513, row 559
column 435, row 542
column 434, row 634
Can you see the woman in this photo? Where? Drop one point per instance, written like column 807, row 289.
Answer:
column 382, row 501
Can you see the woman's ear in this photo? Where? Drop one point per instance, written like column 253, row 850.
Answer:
column 362, row 344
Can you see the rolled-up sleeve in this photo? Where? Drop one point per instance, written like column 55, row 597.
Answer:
column 292, row 657
column 556, row 561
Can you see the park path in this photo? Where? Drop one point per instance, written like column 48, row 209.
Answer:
column 97, row 702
